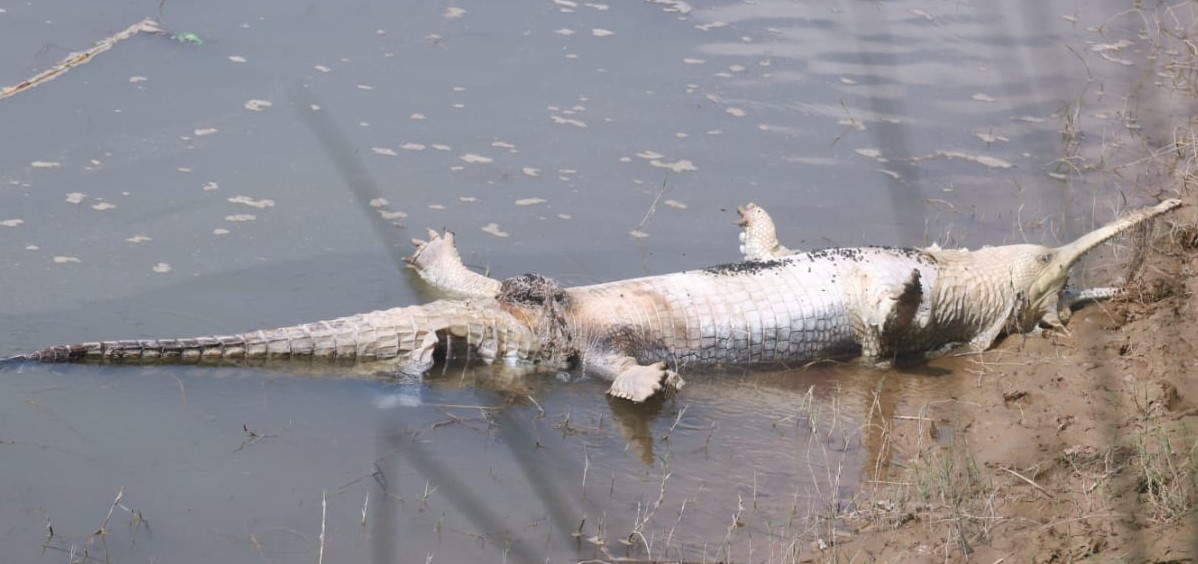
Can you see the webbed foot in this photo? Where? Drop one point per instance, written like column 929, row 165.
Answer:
column 639, row 382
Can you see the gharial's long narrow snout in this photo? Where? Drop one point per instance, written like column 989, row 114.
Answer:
column 1067, row 255
column 1057, row 262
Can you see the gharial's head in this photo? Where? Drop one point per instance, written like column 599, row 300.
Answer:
column 1042, row 272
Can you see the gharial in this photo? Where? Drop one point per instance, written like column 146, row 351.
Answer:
column 777, row 306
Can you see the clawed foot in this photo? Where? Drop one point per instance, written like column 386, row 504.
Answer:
column 639, row 383
column 438, row 262
column 758, row 236
column 439, row 249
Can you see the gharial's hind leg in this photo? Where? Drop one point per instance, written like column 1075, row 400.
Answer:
column 439, row 264
column 632, row 381
column 758, row 236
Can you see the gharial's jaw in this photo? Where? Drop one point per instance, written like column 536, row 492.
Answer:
column 1044, row 293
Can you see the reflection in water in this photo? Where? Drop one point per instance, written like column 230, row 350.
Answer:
column 633, row 422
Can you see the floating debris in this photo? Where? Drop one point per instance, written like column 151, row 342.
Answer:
column 565, row 216
column 385, row 214
column 138, row 239
column 386, row 152
column 418, row 117
column 600, row 32
column 412, row 146
column 220, row 231
column 711, row 26
column 991, row 138
column 258, row 105
column 922, row 14
column 260, row 204
column 161, row 268
column 564, row 31
column 735, row 112
column 184, row 169
column 530, row 201
column 476, row 159
column 436, row 206
column 649, row 155
column 980, row 159
column 205, row 131
column 1029, row 119
column 241, row 217
column 467, row 199
column 379, row 203
column 1106, row 47
column 453, row 12
column 237, row 58
column 871, row 153
column 983, row 97
column 679, row 6
column 530, row 171
column 11, row 222
column 45, row 164
column 693, row 61
column 567, row 121
column 103, row 206
column 188, row 38
column 675, row 204
column 677, row 166
column 1108, row 56
column 66, row 260
column 210, row 186
column 136, row 79
column 493, row 228
column 365, row 87
column 322, row 68
column 637, row 234
column 441, row 147
column 76, row 197
column 80, row 57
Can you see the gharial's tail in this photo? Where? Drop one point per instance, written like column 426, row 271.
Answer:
column 406, row 337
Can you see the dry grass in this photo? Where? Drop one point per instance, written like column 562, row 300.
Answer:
column 1166, row 466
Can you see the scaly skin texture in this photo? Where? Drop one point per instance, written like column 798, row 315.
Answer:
column 400, row 339
column 875, row 302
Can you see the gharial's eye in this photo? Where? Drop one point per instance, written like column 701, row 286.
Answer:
column 1045, row 258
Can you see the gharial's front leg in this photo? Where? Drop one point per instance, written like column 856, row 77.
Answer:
column 438, row 262
column 1071, row 298
column 758, row 236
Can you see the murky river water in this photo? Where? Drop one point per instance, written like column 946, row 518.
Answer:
column 271, row 171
